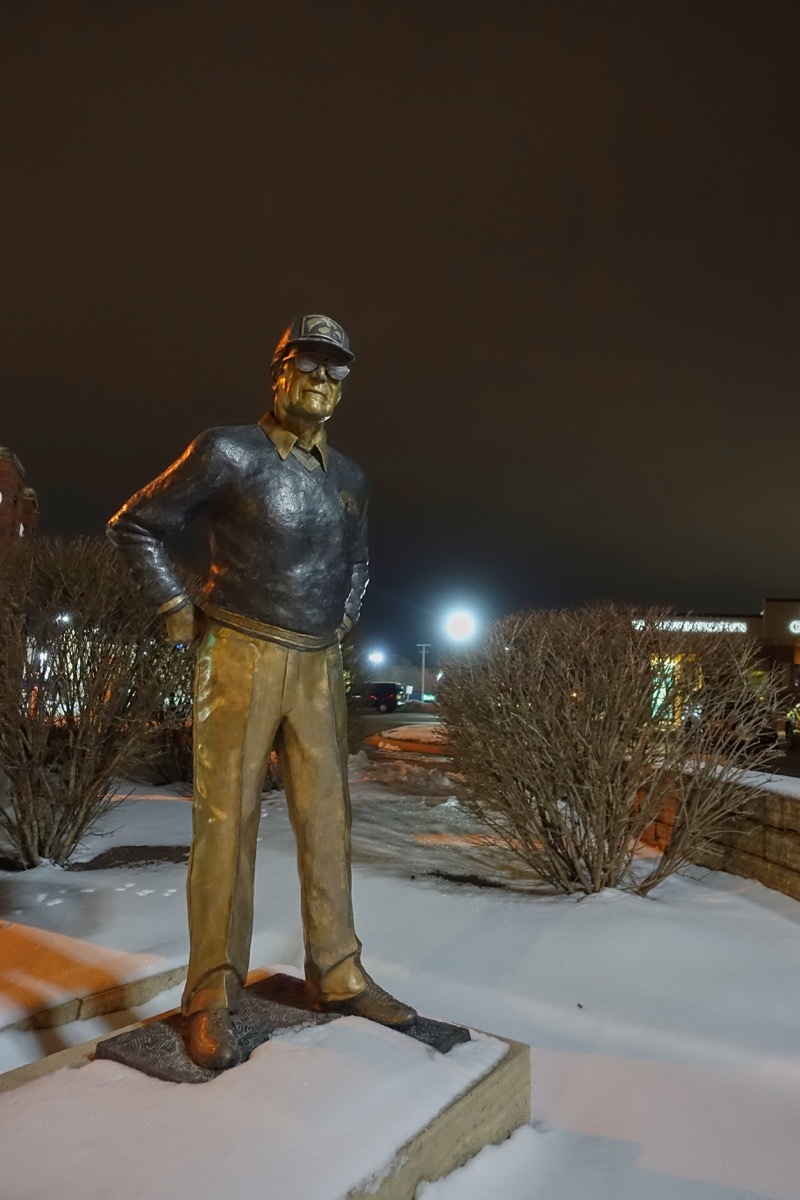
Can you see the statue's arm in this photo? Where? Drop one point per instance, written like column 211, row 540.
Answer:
column 161, row 509
column 360, row 572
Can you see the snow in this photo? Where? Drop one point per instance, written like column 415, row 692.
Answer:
column 784, row 785
column 431, row 732
column 248, row 1126
column 666, row 1053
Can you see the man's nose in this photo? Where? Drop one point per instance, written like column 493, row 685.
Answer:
column 319, row 373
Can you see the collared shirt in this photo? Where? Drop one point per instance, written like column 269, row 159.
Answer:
column 286, row 443
column 288, row 541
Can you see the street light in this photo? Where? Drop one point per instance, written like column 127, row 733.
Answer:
column 376, row 657
column 460, row 625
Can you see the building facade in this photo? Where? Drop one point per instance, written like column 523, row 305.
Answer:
column 776, row 629
column 19, row 508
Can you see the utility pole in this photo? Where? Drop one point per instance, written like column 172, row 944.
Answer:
column 423, row 646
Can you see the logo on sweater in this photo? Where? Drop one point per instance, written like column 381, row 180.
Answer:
column 349, row 502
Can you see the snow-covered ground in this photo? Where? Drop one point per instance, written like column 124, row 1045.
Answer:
column 431, row 732
column 665, row 1032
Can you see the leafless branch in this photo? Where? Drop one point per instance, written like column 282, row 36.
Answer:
column 575, row 731
column 88, row 684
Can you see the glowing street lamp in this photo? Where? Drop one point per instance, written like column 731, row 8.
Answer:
column 376, row 657
column 460, row 625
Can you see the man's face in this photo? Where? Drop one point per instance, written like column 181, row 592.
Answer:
column 307, row 394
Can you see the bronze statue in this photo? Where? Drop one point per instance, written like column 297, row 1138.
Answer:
column 287, row 523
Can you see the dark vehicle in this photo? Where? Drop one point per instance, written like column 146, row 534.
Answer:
column 385, row 696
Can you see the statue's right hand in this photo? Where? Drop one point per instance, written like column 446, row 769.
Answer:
column 186, row 625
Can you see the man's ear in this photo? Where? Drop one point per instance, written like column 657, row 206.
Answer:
column 275, row 372
column 278, row 381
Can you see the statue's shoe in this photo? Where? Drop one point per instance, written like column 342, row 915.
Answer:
column 212, row 1042
column 374, row 1004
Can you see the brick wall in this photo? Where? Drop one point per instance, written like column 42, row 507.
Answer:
column 763, row 842
column 18, row 506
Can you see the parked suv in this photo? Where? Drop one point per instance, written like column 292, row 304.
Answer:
column 385, row 696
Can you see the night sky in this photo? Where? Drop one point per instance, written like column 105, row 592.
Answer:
column 563, row 237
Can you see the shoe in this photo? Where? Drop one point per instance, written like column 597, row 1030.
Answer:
column 373, row 1004
column 212, row 1042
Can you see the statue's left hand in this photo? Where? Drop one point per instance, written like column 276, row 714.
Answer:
column 344, row 629
column 185, row 625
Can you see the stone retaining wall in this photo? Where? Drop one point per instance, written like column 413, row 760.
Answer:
column 763, row 842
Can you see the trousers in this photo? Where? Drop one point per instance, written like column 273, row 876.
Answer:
column 251, row 694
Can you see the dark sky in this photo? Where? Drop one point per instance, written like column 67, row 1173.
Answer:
column 562, row 236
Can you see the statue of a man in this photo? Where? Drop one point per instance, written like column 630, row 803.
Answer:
column 287, row 521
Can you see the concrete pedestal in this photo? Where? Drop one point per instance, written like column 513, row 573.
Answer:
column 331, row 1108
column 486, row 1114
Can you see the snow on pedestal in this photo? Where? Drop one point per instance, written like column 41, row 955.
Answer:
column 328, row 1111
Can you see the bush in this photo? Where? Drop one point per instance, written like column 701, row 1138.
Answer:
column 88, row 686
column 355, row 682
column 572, row 730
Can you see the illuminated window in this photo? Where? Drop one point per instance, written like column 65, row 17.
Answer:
column 665, row 671
column 21, row 530
column 675, row 682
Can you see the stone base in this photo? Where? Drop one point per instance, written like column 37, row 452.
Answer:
column 486, row 1115
column 278, row 1002
column 493, row 1108
column 337, row 1109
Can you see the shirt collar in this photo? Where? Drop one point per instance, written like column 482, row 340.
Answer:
column 284, row 440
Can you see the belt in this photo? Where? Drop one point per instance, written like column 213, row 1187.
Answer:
column 270, row 633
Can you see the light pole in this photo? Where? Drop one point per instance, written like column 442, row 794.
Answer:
column 424, row 647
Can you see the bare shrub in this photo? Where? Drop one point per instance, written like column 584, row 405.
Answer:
column 572, row 732
column 355, row 682
column 88, row 684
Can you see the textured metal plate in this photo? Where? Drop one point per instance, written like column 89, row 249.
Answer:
column 159, row 1049
column 438, row 1034
column 290, row 991
column 277, row 1002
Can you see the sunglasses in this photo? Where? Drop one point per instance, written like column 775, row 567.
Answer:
column 309, row 362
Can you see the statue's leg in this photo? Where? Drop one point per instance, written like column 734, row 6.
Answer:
column 313, row 751
column 237, row 710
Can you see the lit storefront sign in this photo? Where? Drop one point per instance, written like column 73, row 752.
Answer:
column 703, row 625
